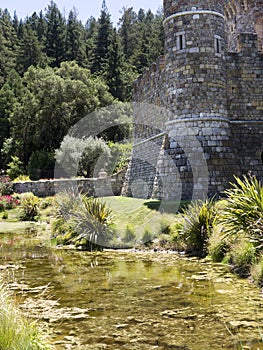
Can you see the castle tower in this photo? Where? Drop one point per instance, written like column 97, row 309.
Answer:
column 199, row 134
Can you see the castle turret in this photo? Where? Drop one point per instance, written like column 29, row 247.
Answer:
column 195, row 57
column 198, row 129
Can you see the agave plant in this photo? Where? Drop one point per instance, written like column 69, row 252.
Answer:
column 243, row 212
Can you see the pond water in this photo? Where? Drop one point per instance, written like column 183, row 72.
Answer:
column 131, row 300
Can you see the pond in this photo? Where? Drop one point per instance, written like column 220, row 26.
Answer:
column 131, row 300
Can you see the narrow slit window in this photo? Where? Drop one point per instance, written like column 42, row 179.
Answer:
column 180, row 41
column 218, row 45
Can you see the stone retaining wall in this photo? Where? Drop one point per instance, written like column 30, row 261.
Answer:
column 110, row 186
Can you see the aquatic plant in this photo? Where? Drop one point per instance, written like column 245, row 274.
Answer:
column 16, row 331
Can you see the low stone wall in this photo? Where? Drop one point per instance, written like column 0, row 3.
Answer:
column 97, row 187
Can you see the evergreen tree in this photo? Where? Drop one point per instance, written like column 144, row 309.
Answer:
column 127, row 31
column 114, row 74
column 56, row 35
column 8, row 45
column 31, row 51
column 75, row 48
column 91, row 34
column 105, row 29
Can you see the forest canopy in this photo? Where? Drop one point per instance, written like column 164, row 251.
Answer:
column 55, row 70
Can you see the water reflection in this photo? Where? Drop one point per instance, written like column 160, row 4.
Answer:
column 114, row 300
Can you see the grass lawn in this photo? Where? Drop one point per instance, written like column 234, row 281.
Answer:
column 138, row 214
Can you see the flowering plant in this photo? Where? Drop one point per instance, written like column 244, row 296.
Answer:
column 8, row 202
column 6, row 186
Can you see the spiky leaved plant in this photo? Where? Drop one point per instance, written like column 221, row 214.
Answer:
column 91, row 220
column 243, row 212
column 198, row 219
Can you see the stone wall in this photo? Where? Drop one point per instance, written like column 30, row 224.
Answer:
column 110, row 186
column 210, row 121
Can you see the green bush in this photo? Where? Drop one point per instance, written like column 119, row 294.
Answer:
column 147, row 236
column 198, row 220
column 119, row 156
column 82, row 220
column 80, row 156
column 243, row 210
column 41, row 165
column 256, row 272
column 129, row 234
column 242, row 256
column 15, row 168
column 218, row 245
column 29, row 207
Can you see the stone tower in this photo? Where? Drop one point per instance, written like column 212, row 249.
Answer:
column 210, row 82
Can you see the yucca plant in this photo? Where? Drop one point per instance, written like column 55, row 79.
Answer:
column 243, row 211
column 91, row 219
column 198, row 220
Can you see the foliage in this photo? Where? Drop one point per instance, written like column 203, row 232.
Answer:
column 119, row 156
column 21, row 178
column 41, row 165
column 82, row 220
column 147, row 236
column 16, row 331
column 91, row 221
column 218, row 245
column 15, row 168
column 6, row 186
column 197, row 224
column 29, row 207
column 242, row 256
column 256, row 271
column 80, row 156
column 129, row 234
column 243, row 211
column 8, row 202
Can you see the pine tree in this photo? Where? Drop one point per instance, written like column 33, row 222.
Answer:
column 127, row 31
column 75, row 48
column 91, row 34
column 105, row 29
column 56, row 35
column 30, row 50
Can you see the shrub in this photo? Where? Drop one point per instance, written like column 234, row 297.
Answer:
column 91, row 220
column 29, row 207
column 15, row 168
column 256, row 272
column 6, row 186
column 129, row 234
column 243, row 212
column 41, row 165
column 242, row 256
column 80, row 156
column 218, row 244
column 119, row 156
column 5, row 215
column 82, row 220
column 21, row 178
column 147, row 236
column 8, row 202
column 198, row 220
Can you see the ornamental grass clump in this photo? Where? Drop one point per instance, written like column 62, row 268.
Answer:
column 197, row 223
column 16, row 331
column 243, row 211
